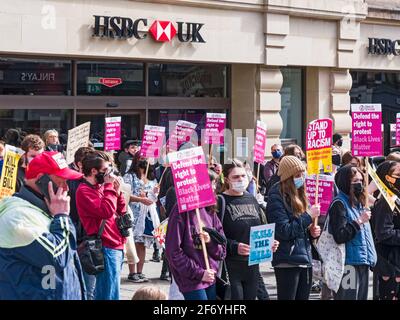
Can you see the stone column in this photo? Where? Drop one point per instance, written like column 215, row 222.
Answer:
column 341, row 83
column 269, row 83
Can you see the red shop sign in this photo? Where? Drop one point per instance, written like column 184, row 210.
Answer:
column 110, row 82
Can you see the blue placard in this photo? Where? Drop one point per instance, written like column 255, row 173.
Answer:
column 261, row 241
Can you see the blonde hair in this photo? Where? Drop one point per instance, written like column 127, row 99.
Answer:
column 149, row 293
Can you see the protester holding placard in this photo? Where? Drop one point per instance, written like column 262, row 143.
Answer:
column 194, row 252
column 242, row 212
column 288, row 208
column 349, row 224
column 142, row 202
column 386, row 226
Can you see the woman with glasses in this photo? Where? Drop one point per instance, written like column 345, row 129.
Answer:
column 349, row 224
column 288, row 208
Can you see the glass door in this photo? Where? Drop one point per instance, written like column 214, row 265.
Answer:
column 132, row 124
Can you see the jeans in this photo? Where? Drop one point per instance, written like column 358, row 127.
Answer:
column 293, row 283
column 90, row 283
column 108, row 282
column 202, row 294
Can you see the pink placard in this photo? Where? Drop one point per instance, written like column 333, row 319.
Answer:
column 182, row 133
column 192, row 183
column 325, row 191
column 112, row 139
column 398, row 129
column 153, row 138
column 366, row 130
column 214, row 129
column 260, row 141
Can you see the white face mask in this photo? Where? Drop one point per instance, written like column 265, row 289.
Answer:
column 240, row 186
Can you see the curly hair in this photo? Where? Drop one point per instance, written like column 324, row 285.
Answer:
column 32, row 141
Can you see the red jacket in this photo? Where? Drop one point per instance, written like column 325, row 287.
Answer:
column 98, row 202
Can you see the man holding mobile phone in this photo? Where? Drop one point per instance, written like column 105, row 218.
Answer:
column 38, row 258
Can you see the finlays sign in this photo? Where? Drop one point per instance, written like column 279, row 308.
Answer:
column 160, row 30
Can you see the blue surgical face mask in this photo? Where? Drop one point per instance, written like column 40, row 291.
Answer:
column 298, row 182
column 277, row 154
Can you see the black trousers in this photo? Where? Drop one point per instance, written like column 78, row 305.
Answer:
column 244, row 279
column 262, row 293
column 293, row 283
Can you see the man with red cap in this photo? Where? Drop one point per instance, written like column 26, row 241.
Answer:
column 38, row 258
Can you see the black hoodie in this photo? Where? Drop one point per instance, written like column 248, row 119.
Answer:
column 342, row 230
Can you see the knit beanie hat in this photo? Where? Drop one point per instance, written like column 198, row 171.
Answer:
column 289, row 166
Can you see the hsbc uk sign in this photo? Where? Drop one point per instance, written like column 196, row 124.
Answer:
column 162, row 31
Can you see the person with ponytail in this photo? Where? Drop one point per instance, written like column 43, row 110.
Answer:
column 288, row 208
column 349, row 224
column 386, row 226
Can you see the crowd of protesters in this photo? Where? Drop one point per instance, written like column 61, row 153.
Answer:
column 42, row 229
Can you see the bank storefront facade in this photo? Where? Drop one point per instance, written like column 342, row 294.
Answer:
column 286, row 62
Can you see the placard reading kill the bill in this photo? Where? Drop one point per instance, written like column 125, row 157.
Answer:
column 366, row 130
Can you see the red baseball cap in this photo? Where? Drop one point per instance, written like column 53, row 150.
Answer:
column 51, row 162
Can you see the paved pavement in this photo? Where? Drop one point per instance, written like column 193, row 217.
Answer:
column 152, row 271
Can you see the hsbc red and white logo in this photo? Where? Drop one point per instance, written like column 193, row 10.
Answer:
column 160, row 30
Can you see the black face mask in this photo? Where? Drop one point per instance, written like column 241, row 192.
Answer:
column 358, row 188
column 100, row 177
column 395, row 182
column 340, row 143
column 336, row 159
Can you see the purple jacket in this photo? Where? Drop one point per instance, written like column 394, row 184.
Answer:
column 183, row 248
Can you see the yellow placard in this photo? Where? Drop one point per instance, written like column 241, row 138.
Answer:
column 389, row 196
column 319, row 159
column 10, row 170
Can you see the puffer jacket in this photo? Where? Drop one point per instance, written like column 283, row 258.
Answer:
column 291, row 231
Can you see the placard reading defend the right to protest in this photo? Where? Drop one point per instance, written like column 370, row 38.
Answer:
column 192, row 184
column 366, row 138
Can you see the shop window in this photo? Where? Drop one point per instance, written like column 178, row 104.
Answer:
column 110, row 79
column 34, row 77
column 164, row 117
column 187, row 80
column 35, row 121
column 292, row 106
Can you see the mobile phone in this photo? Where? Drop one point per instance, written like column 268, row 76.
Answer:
column 43, row 185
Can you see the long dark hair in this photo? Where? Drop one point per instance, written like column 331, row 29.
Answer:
column 138, row 163
column 343, row 180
